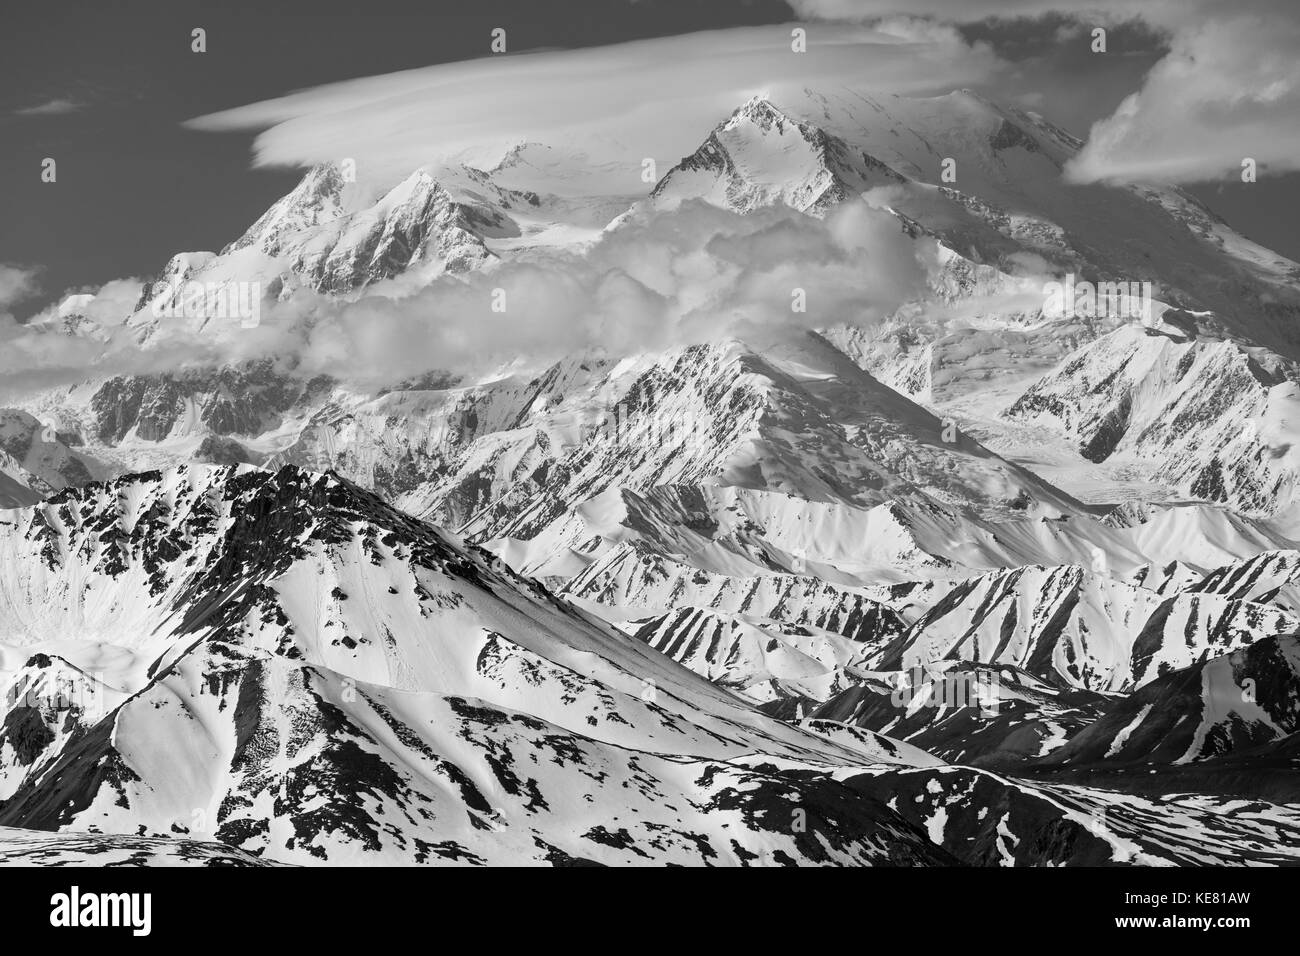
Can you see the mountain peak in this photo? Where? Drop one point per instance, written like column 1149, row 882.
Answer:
column 762, row 154
column 759, row 107
column 320, row 197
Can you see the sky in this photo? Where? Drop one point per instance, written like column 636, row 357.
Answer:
column 160, row 149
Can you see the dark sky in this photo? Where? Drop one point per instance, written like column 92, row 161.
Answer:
column 134, row 186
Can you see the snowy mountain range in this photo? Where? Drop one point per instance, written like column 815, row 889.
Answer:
column 970, row 581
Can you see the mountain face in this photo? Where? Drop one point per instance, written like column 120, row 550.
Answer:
column 946, row 709
column 285, row 635
column 815, row 170
column 336, row 249
column 36, row 458
column 1065, row 625
column 292, row 636
column 764, row 659
column 926, row 590
column 1208, row 417
column 335, row 236
column 1241, row 701
column 1196, row 400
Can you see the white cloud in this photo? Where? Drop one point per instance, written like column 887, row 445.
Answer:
column 55, row 107
column 16, row 284
column 33, row 358
column 1229, row 88
column 619, row 104
column 972, row 11
column 658, row 279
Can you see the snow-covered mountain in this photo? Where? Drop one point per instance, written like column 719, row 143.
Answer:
column 980, row 350
column 336, row 236
column 210, row 652
column 265, row 640
column 1208, row 419
column 35, row 459
column 1004, row 195
column 1241, row 702
column 1224, row 357
column 685, row 589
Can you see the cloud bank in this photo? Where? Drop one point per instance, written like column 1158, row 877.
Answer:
column 656, row 280
column 1228, row 89
column 616, row 104
column 16, row 284
column 55, row 107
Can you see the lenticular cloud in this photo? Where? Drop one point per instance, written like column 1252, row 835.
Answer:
column 617, row 104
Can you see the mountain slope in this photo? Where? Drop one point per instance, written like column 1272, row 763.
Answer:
column 282, row 636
